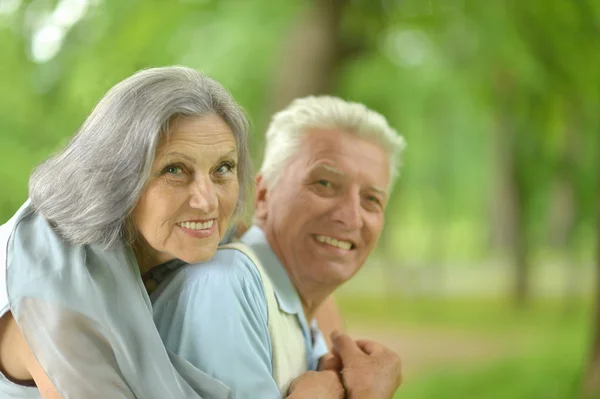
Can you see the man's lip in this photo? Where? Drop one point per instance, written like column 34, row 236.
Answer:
column 352, row 242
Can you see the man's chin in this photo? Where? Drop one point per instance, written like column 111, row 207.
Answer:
column 335, row 273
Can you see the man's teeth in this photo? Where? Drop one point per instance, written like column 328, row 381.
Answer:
column 197, row 226
column 336, row 243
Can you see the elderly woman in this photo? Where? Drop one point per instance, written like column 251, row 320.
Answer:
column 156, row 173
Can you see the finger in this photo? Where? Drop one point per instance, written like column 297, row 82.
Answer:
column 298, row 381
column 344, row 346
column 330, row 362
column 370, row 347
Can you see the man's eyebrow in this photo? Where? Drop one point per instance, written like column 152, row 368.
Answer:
column 379, row 190
column 330, row 168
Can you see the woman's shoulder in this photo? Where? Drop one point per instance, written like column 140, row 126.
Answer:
column 34, row 240
column 41, row 263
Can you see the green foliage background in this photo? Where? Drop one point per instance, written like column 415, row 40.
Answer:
column 498, row 101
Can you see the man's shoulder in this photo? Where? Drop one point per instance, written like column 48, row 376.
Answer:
column 229, row 276
column 228, row 264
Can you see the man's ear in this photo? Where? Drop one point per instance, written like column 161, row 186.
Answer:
column 261, row 194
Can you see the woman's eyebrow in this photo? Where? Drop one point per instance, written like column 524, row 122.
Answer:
column 230, row 154
column 175, row 154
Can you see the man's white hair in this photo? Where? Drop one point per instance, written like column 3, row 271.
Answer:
column 289, row 126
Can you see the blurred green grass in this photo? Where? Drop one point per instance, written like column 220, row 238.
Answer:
column 555, row 376
column 482, row 314
column 552, row 337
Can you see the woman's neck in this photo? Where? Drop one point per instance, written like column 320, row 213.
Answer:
column 144, row 254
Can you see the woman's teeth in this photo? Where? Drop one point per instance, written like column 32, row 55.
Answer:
column 197, row 226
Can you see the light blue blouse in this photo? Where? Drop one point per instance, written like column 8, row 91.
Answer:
column 88, row 319
column 214, row 315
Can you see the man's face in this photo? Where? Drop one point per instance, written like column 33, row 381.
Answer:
column 326, row 212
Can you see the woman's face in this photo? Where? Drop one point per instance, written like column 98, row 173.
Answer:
column 192, row 193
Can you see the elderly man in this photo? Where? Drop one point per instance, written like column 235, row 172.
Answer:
column 247, row 316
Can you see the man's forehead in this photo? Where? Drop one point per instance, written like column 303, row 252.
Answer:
column 343, row 153
column 324, row 142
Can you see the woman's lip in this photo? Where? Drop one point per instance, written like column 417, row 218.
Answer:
column 197, row 220
column 204, row 233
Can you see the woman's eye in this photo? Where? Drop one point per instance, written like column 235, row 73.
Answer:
column 173, row 170
column 225, row 168
column 324, row 183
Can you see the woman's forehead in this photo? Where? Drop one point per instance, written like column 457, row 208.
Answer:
column 208, row 135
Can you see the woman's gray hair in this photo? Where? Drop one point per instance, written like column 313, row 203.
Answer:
column 88, row 189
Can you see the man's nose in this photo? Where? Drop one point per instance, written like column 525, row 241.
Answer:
column 348, row 211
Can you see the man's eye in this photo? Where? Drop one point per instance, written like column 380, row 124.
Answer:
column 374, row 199
column 324, row 183
column 373, row 202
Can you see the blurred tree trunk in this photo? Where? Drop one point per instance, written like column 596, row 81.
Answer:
column 307, row 62
column 562, row 228
column 565, row 217
column 520, row 245
column 503, row 213
column 311, row 53
column 591, row 381
column 509, row 227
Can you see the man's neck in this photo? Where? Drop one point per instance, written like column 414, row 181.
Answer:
column 311, row 299
column 312, row 294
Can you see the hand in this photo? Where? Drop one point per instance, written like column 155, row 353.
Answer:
column 369, row 370
column 330, row 361
column 317, row 385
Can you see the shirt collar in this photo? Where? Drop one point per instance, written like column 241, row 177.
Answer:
column 285, row 292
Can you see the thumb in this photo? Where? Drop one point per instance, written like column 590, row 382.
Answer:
column 330, row 362
column 344, row 346
column 370, row 347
